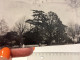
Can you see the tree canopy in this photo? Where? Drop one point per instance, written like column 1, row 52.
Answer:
column 48, row 27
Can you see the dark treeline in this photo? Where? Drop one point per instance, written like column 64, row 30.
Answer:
column 45, row 28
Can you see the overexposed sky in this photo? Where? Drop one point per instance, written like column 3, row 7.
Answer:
column 13, row 10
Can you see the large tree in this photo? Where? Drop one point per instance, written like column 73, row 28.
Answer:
column 39, row 21
column 20, row 27
column 49, row 27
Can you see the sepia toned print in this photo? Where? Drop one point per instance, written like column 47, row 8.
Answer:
column 44, row 23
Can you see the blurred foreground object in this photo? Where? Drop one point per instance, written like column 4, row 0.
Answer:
column 4, row 53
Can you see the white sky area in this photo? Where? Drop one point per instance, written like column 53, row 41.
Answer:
column 14, row 10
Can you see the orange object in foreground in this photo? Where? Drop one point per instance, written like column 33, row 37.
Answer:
column 4, row 53
column 33, row 48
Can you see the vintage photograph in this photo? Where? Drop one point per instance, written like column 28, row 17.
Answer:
column 25, row 23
